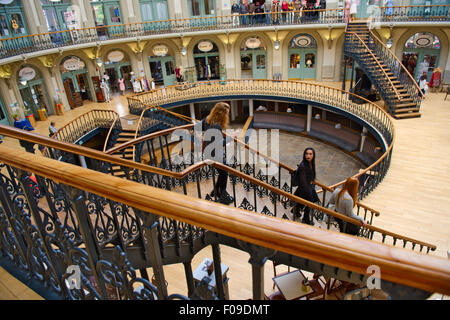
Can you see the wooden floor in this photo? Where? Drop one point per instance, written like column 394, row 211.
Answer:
column 414, row 198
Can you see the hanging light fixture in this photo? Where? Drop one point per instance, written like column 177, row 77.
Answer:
column 183, row 51
column 99, row 62
column 389, row 43
column 23, row 81
column 276, row 45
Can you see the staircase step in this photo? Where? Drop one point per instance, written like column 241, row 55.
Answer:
column 405, row 105
column 407, row 115
column 400, row 111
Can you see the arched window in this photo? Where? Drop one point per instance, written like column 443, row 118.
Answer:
column 303, row 41
column 423, row 40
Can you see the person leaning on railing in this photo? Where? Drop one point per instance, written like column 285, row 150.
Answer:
column 344, row 199
column 24, row 125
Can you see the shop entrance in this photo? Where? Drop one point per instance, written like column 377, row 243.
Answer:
column 163, row 70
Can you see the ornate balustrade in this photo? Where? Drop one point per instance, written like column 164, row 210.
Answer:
column 113, row 229
column 87, row 37
column 336, row 100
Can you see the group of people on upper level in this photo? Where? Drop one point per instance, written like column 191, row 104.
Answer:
column 249, row 12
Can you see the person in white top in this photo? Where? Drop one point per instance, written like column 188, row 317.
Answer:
column 344, row 199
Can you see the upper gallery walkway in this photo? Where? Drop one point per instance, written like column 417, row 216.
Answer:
column 27, row 46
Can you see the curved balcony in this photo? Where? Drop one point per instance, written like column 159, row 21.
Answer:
column 53, row 42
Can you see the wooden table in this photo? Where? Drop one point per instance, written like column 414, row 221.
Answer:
column 290, row 285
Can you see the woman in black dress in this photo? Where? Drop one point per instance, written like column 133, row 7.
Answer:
column 303, row 178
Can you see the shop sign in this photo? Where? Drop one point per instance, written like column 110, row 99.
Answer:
column 27, row 73
column 302, row 41
column 115, row 56
column 160, row 50
column 253, row 43
column 205, row 46
column 424, row 40
column 73, row 64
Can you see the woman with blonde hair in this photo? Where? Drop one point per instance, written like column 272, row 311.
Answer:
column 218, row 119
column 345, row 199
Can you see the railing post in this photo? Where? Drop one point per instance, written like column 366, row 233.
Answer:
column 218, row 271
column 152, row 250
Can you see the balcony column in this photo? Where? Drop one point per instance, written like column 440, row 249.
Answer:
column 276, row 106
column 192, row 111
column 363, row 139
column 308, row 118
column 128, row 11
column 233, row 110
column 87, row 17
column 34, row 16
column 250, row 108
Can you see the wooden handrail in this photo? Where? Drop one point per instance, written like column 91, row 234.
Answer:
column 87, row 152
column 398, row 60
column 376, row 60
column 109, row 134
column 398, row 265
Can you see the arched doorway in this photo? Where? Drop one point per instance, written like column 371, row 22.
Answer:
column 302, row 53
column 206, row 60
column 162, row 65
column 253, row 58
column 421, row 54
column 117, row 65
column 75, row 78
column 32, row 89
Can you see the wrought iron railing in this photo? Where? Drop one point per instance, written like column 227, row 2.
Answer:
column 73, row 218
column 412, row 13
column 44, row 41
column 370, row 113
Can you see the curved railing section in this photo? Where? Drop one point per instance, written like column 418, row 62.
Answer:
column 39, row 237
column 11, row 47
column 370, row 114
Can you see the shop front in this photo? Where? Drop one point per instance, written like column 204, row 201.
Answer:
column 155, row 12
column 421, row 53
column 56, row 14
column 206, row 60
column 32, row 90
column 162, row 65
column 302, row 55
column 13, row 24
column 253, row 59
column 108, row 18
column 203, row 12
column 117, row 66
column 75, row 77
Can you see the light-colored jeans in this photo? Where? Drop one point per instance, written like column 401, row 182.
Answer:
column 235, row 19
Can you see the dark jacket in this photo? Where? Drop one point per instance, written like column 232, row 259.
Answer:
column 303, row 177
column 205, row 127
column 244, row 8
column 235, row 8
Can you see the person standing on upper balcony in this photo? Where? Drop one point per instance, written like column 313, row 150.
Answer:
column 267, row 11
column 235, row 8
column 297, row 8
column 284, row 9
column 344, row 199
column 244, row 12
column 251, row 11
column 304, row 177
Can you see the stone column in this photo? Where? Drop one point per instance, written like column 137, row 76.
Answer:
column 308, row 118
